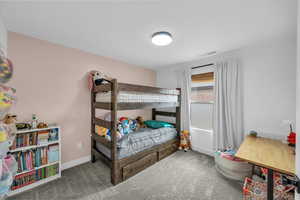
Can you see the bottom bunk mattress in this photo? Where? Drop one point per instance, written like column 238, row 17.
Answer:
column 138, row 141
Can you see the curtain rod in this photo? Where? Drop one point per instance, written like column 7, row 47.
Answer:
column 210, row 64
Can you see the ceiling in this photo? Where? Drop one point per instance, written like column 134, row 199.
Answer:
column 121, row 29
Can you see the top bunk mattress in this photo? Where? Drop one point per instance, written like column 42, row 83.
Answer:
column 137, row 97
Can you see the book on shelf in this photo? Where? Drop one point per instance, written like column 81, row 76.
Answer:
column 43, row 137
column 53, row 134
column 33, row 176
column 34, row 138
column 30, row 159
column 53, row 153
column 25, row 139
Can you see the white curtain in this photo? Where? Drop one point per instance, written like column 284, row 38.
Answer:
column 228, row 108
column 184, row 82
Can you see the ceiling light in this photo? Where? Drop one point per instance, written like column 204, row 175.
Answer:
column 162, row 38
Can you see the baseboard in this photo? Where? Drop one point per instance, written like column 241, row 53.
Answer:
column 297, row 196
column 76, row 162
column 204, row 151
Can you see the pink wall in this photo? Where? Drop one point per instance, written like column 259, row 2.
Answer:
column 51, row 82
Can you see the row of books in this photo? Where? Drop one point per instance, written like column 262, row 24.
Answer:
column 34, row 138
column 33, row 176
column 23, row 140
column 30, row 159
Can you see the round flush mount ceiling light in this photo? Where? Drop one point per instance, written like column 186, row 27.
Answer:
column 162, row 38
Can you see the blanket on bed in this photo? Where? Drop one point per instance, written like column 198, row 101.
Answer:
column 140, row 140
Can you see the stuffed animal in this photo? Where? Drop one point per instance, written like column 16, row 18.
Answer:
column 10, row 126
column 101, row 131
column 21, row 126
column 132, row 125
column 42, row 125
column 10, row 119
column 140, row 122
column 185, row 142
column 125, row 126
column 97, row 78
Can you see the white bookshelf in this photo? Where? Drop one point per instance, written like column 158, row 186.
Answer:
column 45, row 180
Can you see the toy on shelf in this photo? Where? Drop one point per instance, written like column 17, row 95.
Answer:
column 34, row 121
column 185, row 142
column 97, row 78
column 22, row 126
column 42, row 125
column 10, row 126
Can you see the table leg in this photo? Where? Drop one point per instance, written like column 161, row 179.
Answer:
column 270, row 184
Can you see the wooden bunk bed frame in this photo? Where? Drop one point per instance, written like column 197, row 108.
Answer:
column 122, row 169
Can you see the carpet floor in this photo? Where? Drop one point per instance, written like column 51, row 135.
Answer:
column 181, row 176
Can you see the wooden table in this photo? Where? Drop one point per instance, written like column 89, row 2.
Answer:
column 270, row 154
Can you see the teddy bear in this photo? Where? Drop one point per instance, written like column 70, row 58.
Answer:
column 140, row 122
column 185, row 142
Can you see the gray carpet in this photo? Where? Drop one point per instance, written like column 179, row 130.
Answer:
column 181, row 176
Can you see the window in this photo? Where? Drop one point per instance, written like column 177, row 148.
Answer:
column 202, row 94
column 202, row 99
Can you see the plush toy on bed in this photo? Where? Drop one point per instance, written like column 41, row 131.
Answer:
column 185, row 142
column 97, row 78
column 104, row 132
column 125, row 127
column 140, row 122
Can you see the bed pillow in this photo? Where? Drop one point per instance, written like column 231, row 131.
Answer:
column 157, row 124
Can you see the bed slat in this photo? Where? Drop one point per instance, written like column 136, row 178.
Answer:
column 134, row 106
column 103, row 123
column 102, row 140
column 102, row 105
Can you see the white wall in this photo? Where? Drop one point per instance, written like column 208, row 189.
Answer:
column 3, row 36
column 269, row 86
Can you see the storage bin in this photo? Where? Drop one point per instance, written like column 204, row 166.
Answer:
column 232, row 169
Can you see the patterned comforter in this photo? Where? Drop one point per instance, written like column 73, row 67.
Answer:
column 139, row 141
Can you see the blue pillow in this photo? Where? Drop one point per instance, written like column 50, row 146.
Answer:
column 157, row 124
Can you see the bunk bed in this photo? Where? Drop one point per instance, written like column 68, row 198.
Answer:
column 123, row 96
